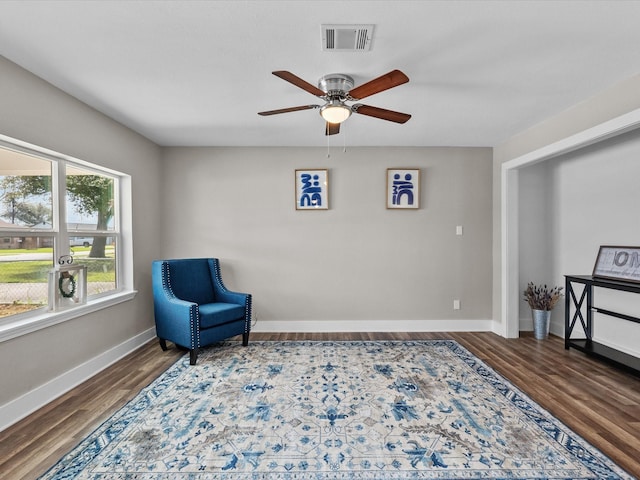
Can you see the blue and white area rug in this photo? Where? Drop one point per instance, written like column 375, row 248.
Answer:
column 333, row 410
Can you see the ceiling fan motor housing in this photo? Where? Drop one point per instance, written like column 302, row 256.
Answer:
column 336, row 85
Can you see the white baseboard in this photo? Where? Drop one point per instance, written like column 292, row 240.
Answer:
column 617, row 346
column 26, row 404
column 328, row 326
column 557, row 328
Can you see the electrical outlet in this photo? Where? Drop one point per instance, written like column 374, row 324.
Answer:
column 459, row 230
column 456, row 304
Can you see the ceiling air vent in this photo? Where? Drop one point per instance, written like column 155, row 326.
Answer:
column 347, row 38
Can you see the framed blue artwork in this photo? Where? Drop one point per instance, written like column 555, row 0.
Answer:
column 403, row 188
column 312, row 189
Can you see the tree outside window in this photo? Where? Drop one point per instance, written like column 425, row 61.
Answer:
column 30, row 241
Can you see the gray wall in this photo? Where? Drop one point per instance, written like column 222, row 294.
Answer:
column 33, row 111
column 618, row 100
column 352, row 264
column 584, row 199
column 535, row 233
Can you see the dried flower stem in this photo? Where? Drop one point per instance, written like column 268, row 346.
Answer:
column 542, row 297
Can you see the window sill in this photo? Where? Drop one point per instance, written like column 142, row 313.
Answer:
column 29, row 324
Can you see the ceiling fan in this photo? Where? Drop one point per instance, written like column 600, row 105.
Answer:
column 336, row 89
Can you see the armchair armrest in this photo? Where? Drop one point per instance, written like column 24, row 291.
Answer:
column 176, row 319
column 228, row 296
column 173, row 307
column 225, row 295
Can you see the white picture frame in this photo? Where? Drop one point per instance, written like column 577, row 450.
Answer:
column 403, row 188
column 312, row 189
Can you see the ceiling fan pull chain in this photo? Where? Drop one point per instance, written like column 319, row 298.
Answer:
column 344, row 141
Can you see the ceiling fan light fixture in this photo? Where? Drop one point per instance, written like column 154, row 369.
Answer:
column 335, row 112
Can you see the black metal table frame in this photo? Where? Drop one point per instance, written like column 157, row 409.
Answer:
column 587, row 345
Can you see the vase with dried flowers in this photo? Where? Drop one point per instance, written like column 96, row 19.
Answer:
column 541, row 299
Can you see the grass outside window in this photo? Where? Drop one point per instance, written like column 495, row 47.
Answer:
column 24, row 282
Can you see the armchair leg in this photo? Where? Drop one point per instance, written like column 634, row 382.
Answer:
column 163, row 344
column 245, row 339
column 193, row 356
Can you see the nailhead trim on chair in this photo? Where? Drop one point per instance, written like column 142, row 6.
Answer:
column 166, row 279
column 217, row 276
column 194, row 313
column 247, row 314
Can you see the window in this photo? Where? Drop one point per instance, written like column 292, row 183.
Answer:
column 91, row 226
column 55, row 209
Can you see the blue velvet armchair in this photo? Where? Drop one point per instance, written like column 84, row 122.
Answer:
column 192, row 306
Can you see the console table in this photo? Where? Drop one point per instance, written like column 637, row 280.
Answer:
column 578, row 306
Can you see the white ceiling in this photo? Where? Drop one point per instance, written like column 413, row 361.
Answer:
column 197, row 72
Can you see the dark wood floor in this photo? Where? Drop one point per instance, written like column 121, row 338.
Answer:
column 599, row 402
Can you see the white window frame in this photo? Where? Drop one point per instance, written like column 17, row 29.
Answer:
column 21, row 324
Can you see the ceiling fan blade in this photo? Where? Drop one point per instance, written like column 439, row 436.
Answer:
column 298, row 82
column 381, row 113
column 380, row 84
column 287, row 110
column 332, row 128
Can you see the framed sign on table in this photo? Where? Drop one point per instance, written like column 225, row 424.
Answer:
column 618, row 263
column 312, row 189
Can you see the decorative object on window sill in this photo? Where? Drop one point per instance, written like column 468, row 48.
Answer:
column 618, row 263
column 403, row 188
column 67, row 285
column 541, row 299
column 312, row 189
